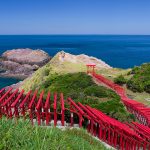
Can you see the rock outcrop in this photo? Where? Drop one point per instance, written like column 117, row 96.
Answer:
column 21, row 63
column 84, row 59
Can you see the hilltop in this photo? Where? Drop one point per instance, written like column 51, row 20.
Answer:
column 62, row 63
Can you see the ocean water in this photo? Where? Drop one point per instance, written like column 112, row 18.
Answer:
column 122, row 51
column 7, row 81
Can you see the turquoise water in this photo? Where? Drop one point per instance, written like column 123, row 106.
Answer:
column 122, row 51
column 7, row 81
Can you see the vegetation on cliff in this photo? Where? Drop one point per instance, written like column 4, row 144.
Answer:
column 140, row 80
column 25, row 136
column 120, row 80
column 137, row 82
column 137, row 79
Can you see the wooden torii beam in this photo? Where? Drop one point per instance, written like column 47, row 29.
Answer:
column 24, row 104
column 47, row 109
column 75, row 108
column 39, row 108
column 31, row 106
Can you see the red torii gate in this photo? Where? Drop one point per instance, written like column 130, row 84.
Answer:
column 90, row 68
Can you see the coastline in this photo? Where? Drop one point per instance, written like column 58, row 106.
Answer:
column 12, row 76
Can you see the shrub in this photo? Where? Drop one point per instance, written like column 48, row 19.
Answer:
column 99, row 91
column 140, row 80
column 135, row 85
column 120, row 80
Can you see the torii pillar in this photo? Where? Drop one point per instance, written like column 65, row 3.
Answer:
column 90, row 68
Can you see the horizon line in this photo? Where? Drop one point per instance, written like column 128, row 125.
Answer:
column 75, row 34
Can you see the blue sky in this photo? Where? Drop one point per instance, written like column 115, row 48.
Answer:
column 74, row 16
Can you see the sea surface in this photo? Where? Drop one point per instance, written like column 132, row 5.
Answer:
column 122, row 51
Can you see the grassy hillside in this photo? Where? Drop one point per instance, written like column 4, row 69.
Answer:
column 137, row 83
column 81, row 88
column 140, row 80
column 23, row 136
column 71, row 79
column 113, row 73
column 54, row 67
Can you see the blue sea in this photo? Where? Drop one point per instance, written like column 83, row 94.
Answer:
column 122, row 51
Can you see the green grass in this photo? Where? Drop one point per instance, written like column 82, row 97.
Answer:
column 140, row 97
column 113, row 72
column 23, row 136
column 120, row 80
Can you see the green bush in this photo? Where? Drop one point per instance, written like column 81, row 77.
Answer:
column 99, row 91
column 120, row 80
column 135, row 85
column 140, row 81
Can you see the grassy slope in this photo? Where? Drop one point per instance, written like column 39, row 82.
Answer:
column 115, row 72
column 81, row 88
column 139, row 80
column 52, row 68
column 26, row 137
column 141, row 97
column 55, row 68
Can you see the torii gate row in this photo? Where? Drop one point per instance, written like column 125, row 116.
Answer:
column 15, row 104
column 141, row 111
column 112, row 131
column 142, row 130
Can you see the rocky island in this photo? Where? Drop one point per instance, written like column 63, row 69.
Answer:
column 21, row 63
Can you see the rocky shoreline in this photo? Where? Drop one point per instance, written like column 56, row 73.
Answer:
column 21, row 63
